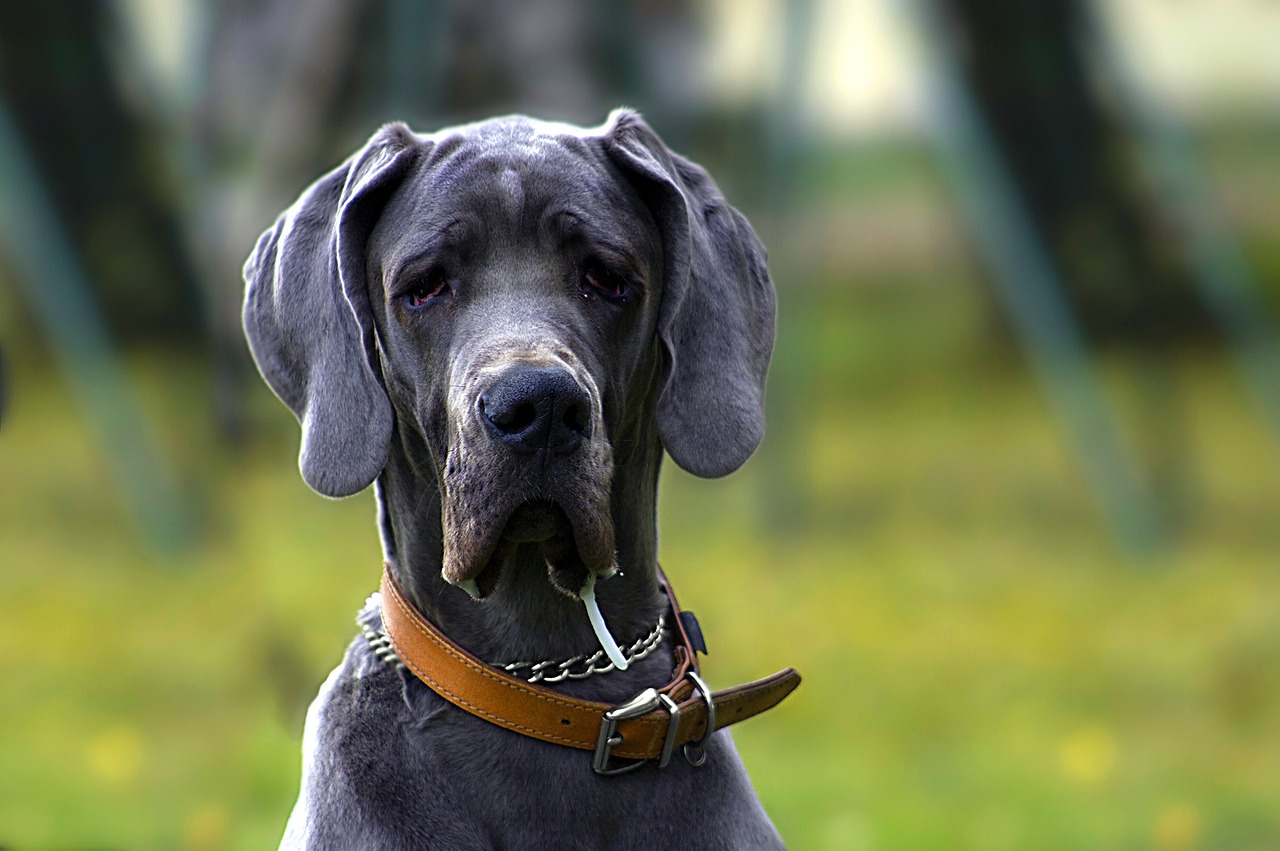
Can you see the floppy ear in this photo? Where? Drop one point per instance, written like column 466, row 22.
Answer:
column 716, row 319
column 308, row 319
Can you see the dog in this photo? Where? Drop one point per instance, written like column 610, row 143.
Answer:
column 502, row 326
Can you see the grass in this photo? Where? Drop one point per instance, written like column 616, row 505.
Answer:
column 983, row 669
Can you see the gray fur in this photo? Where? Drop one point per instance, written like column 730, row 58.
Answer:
column 718, row 309
column 307, row 317
column 512, row 215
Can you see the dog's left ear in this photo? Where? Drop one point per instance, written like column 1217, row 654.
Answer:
column 716, row 319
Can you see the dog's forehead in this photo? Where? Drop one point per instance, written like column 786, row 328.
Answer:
column 522, row 144
column 515, row 168
column 520, row 137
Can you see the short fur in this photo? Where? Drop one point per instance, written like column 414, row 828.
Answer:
column 396, row 292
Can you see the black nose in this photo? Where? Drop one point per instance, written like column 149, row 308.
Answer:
column 537, row 407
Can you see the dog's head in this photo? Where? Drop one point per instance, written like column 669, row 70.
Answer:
column 529, row 302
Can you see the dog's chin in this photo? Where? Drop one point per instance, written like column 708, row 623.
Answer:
column 572, row 546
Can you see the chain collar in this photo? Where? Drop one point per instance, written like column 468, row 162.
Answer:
column 582, row 666
column 547, row 671
column 377, row 638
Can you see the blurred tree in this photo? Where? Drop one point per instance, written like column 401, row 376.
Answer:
column 1074, row 162
column 100, row 161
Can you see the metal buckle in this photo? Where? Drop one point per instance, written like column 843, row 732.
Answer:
column 642, row 704
column 695, row 752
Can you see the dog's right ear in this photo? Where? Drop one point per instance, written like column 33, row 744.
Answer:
column 308, row 320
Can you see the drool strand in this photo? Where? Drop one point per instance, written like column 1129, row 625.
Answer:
column 607, row 643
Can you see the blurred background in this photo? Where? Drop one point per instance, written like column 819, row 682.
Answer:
column 1015, row 519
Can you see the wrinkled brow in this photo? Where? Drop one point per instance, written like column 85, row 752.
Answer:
column 571, row 225
column 434, row 242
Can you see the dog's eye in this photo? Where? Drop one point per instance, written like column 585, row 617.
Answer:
column 426, row 290
column 598, row 279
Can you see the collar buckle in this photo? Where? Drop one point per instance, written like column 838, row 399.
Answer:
column 642, row 704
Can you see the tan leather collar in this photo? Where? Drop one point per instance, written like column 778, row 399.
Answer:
column 649, row 727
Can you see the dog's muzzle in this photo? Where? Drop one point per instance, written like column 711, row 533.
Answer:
column 528, row 465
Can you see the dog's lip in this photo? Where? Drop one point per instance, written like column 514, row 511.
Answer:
column 594, row 546
column 571, row 548
column 533, row 522
column 592, row 553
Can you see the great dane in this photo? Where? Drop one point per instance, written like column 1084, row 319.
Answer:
column 502, row 326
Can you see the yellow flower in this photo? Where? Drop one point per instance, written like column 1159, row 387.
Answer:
column 1088, row 755
column 116, row 755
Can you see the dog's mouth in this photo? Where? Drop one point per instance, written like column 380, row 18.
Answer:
column 572, row 547
column 546, row 525
column 573, row 555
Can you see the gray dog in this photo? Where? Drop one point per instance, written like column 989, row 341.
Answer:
column 502, row 326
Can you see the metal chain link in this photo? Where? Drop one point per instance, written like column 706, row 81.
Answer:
column 580, row 667
column 548, row 671
column 380, row 644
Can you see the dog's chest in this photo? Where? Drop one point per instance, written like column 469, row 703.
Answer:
column 392, row 759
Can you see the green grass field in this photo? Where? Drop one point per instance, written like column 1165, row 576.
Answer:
column 983, row 668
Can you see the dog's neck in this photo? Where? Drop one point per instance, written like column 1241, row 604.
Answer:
column 524, row 617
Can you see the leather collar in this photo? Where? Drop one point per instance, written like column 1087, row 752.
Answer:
column 683, row 713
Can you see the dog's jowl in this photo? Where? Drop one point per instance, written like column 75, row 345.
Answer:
column 502, row 327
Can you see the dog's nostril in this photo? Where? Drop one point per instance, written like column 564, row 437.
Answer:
column 517, row 419
column 575, row 418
